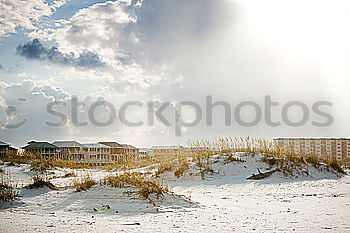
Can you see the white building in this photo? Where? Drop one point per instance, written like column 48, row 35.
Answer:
column 330, row 148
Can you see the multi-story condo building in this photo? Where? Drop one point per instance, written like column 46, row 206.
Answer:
column 101, row 153
column 6, row 149
column 71, row 150
column 330, row 148
column 122, row 152
column 143, row 153
column 42, row 148
column 97, row 154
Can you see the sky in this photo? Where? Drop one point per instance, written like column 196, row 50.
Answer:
column 133, row 54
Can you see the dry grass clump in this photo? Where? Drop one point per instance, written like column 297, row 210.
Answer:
column 181, row 168
column 293, row 165
column 269, row 160
column 206, row 169
column 201, row 162
column 68, row 164
column 312, row 159
column 7, row 190
column 82, row 185
column 146, row 188
column 204, row 165
column 41, row 182
column 289, row 166
column 17, row 159
column 231, row 159
column 69, row 174
column 165, row 167
column 137, row 181
column 337, row 166
column 41, row 165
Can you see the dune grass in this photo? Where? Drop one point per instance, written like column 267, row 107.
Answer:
column 83, row 184
column 39, row 181
column 137, row 183
column 8, row 191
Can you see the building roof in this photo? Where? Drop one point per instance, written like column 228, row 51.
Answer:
column 128, row 146
column 39, row 145
column 117, row 145
column 112, row 144
column 4, row 143
column 70, row 144
column 95, row 145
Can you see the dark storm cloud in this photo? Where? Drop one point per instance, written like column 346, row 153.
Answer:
column 36, row 51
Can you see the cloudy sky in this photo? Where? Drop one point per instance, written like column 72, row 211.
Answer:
column 171, row 51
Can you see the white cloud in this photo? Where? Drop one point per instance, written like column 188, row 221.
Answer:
column 25, row 14
column 141, row 42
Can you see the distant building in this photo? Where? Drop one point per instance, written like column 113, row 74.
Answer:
column 132, row 151
column 42, row 148
column 330, row 148
column 144, row 153
column 101, row 153
column 6, row 149
column 71, row 150
column 97, row 154
column 121, row 152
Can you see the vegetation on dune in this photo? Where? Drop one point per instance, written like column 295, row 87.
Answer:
column 165, row 167
column 18, row 159
column 182, row 168
column 288, row 163
column 41, row 182
column 8, row 191
column 231, row 158
column 294, row 165
column 84, row 184
column 337, row 166
column 204, row 166
column 137, row 183
column 69, row 174
column 41, row 165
